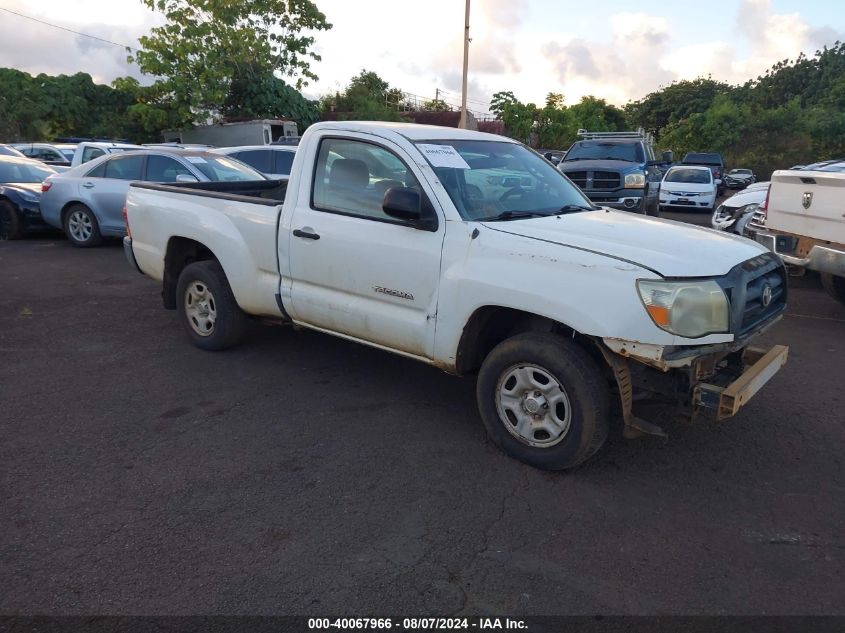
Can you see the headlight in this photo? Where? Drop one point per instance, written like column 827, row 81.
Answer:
column 635, row 180
column 686, row 308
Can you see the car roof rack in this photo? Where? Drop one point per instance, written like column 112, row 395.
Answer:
column 640, row 134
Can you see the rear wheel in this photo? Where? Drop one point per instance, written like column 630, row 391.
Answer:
column 11, row 225
column 543, row 400
column 834, row 286
column 209, row 312
column 81, row 227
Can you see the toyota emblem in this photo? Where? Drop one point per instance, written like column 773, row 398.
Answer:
column 767, row 295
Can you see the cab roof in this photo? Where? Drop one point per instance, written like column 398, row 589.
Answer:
column 411, row 131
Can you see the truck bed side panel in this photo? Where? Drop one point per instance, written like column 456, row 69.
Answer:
column 239, row 231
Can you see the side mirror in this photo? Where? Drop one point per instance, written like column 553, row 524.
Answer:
column 668, row 156
column 186, row 178
column 404, row 203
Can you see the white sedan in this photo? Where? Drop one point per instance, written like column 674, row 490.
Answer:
column 690, row 187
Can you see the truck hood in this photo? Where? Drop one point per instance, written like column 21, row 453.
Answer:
column 601, row 165
column 671, row 249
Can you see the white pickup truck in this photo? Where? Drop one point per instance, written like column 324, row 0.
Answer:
column 472, row 253
column 803, row 221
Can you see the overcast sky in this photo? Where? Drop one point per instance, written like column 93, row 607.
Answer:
column 619, row 50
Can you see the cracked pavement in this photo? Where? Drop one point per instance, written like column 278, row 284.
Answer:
column 303, row 474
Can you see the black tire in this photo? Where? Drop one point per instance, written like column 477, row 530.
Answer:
column 11, row 225
column 578, row 376
column 651, row 209
column 75, row 213
column 834, row 286
column 228, row 325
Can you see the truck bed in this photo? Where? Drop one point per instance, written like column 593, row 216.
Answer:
column 236, row 221
column 271, row 190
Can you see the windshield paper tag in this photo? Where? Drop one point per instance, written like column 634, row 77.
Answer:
column 196, row 160
column 443, row 156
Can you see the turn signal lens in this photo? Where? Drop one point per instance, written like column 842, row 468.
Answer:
column 659, row 314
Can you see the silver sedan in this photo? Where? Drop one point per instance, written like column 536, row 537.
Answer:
column 87, row 201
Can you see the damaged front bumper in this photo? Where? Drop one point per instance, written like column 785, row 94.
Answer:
column 715, row 384
column 759, row 366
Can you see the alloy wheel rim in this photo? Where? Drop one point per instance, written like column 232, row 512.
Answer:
column 80, row 226
column 533, row 406
column 200, row 308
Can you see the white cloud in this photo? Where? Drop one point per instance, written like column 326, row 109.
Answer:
column 35, row 48
column 612, row 70
column 641, row 53
column 517, row 45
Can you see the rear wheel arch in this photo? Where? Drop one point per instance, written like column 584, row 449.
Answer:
column 181, row 252
column 69, row 205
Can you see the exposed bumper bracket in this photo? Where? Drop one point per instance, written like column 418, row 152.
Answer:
column 727, row 401
column 634, row 426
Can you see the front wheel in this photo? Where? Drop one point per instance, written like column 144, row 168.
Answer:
column 834, row 286
column 209, row 312
column 543, row 400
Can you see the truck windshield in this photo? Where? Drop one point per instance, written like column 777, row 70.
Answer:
column 495, row 180
column 598, row 150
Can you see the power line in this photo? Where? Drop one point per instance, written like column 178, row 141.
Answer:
column 64, row 28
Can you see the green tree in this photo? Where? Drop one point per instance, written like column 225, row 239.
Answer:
column 266, row 96
column 367, row 97
column 673, row 103
column 436, row 105
column 520, row 119
column 206, row 46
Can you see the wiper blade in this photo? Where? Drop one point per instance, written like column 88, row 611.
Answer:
column 568, row 208
column 513, row 215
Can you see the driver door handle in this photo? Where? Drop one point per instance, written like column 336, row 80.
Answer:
column 305, row 234
column 88, row 185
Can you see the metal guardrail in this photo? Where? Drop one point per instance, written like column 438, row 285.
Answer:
column 640, row 134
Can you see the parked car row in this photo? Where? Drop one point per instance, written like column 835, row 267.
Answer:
column 86, row 201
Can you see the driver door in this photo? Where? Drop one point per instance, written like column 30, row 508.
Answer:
column 355, row 271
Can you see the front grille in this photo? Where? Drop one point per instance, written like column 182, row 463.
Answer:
column 605, row 180
column 757, row 292
column 755, row 312
column 578, row 177
column 595, row 180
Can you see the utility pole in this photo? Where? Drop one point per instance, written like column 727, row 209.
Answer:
column 463, row 123
column 436, row 97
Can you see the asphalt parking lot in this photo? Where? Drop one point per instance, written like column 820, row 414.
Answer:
column 302, row 474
